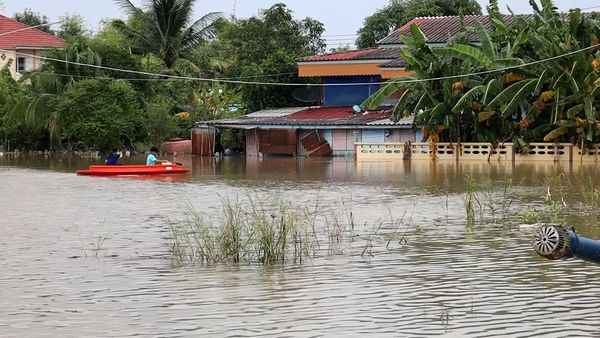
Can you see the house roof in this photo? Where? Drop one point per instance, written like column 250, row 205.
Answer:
column 335, row 115
column 312, row 116
column 405, row 121
column 440, row 29
column 437, row 30
column 21, row 37
column 357, row 62
column 375, row 53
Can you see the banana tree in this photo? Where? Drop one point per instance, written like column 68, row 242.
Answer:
column 428, row 93
column 555, row 100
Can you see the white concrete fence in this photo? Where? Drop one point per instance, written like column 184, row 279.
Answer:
column 556, row 152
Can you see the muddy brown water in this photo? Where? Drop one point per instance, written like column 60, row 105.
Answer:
column 87, row 256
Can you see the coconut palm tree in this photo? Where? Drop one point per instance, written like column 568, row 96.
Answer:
column 164, row 28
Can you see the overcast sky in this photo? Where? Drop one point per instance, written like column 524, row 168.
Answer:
column 342, row 18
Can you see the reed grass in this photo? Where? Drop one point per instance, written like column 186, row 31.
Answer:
column 471, row 200
column 272, row 231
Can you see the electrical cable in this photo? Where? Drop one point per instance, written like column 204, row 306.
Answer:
column 283, row 84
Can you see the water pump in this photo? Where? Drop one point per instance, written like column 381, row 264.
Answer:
column 553, row 241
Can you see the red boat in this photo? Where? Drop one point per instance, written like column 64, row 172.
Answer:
column 114, row 170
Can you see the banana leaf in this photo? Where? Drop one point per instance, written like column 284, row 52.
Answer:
column 573, row 111
column 555, row 134
column 466, row 53
column 487, row 44
column 493, row 88
column 485, row 115
column 513, row 96
column 375, row 100
column 400, row 105
column 468, row 97
column 588, row 107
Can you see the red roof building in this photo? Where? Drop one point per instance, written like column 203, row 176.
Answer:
column 20, row 45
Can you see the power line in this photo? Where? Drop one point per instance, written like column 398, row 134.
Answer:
column 593, row 7
column 153, row 79
column 283, row 84
column 30, row 27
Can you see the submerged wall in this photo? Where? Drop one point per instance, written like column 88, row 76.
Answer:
column 549, row 152
column 203, row 141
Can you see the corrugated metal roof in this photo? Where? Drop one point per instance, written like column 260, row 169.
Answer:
column 396, row 63
column 331, row 113
column 405, row 121
column 314, row 116
column 276, row 112
column 440, row 29
column 359, row 54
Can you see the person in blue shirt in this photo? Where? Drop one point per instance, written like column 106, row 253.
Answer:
column 151, row 159
column 113, row 157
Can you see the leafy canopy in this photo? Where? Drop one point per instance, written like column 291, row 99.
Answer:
column 264, row 45
column 31, row 18
column 99, row 113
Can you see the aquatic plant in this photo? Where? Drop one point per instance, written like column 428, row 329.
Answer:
column 470, row 199
column 271, row 231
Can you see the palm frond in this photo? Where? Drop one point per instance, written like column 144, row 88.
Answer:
column 133, row 34
column 200, row 31
column 128, row 7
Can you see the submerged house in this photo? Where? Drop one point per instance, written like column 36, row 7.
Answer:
column 348, row 78
column 21, row 45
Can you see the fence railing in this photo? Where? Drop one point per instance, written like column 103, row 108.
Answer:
column 555, row 152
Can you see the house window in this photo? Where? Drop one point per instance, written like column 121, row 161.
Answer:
column 20, row 65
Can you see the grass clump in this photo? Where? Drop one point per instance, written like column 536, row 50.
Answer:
column 272, row 231
column 269, row 232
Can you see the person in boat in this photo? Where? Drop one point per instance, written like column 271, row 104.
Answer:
column 151, row 159
column 113, row 157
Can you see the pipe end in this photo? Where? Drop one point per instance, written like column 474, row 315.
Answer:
column 551, row 241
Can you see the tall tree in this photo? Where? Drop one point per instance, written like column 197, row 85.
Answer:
column 164, row 28
column 31, row 18
column 265, row 48
column 99, row 114
column 72, row 27
column 399, row 12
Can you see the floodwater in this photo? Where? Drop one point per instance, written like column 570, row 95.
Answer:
column 88, row 256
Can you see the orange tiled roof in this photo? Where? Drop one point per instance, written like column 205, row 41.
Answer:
column 26, row 38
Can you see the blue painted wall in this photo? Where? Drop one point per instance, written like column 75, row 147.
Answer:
column 337, row 96
column 373, row 135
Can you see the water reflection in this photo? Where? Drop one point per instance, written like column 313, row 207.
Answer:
column 59, row 279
